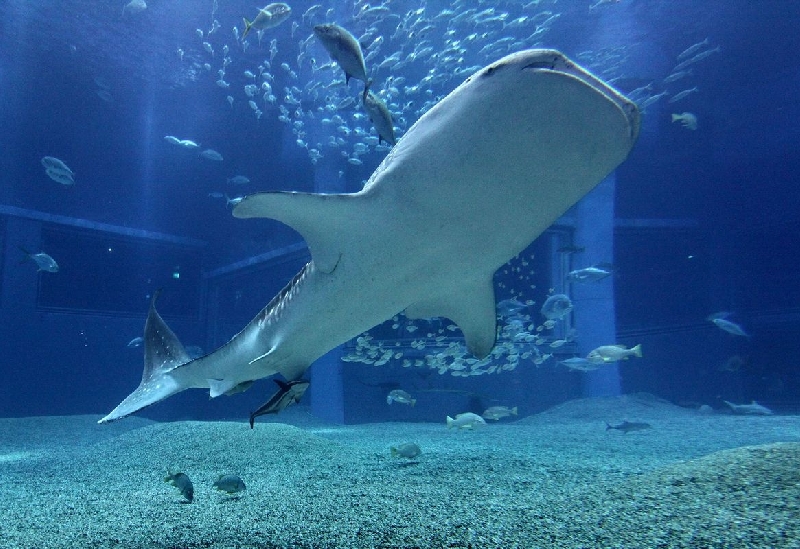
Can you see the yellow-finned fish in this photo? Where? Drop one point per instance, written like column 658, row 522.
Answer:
column 268, row 17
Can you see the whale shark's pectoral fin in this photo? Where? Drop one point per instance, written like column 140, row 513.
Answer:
column 317, row 217
column 162, row 354
column 471, row 306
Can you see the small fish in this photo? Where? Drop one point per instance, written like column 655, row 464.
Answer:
column 497, row 412
column 58, row 171
column 401, row 397
column 556, row 306
column 188, row 144
column 408, row 450
column 230, row 484
column 136, row 342
column 594, row 273
column 602, row 3
column 288, row 393
column 467, row 420
column 380, row 117
column 211, row 154
column 238, row 180
column 613, row 353
column 628, row 426
column 752, row 409
column 42, row 260
column 134, row 6
column 53, row 163
column 510, row 308
column 688, row 120
column 692, row 49
column 181, row 482
column 60, row 177
column 730, row 327
column 675, row 76
column 267, row 18
column 345, row 50
column 680, row 95
column 311, row 12
column 581, row 364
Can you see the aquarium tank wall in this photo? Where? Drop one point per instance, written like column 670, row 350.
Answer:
column 131, row 131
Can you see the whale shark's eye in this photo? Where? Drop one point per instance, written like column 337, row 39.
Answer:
column 493, row 68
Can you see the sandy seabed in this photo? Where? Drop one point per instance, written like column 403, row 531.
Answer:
column 554, row 480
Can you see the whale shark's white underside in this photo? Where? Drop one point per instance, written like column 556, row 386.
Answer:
column 468, row 187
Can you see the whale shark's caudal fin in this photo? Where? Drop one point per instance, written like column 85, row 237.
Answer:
column 162, row 354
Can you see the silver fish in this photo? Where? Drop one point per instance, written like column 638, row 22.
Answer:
column 556, row 306
column 401, row 397
column 42, row 260
column 594, row 273
column 345, row 50
column 692, row 49
column 752, row 409
column 268, row 17
column 408, row 450
column 730, row 327
column 380, row 117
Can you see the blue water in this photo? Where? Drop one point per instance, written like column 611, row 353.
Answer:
column 705, row 220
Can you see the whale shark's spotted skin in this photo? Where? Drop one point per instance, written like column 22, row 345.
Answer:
column 468, row 187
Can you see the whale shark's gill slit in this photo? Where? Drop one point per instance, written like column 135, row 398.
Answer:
column 541, row 65
column 276, row 304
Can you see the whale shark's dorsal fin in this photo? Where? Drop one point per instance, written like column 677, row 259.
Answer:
column 162, row 354
column 317, row 217
column 471, row 307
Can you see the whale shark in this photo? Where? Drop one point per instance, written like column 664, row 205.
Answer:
column 477, row 178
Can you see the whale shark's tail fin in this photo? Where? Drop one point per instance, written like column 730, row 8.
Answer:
column 162, row 354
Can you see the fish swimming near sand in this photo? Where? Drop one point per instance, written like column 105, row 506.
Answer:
column 628, row 426
column 229, row 484
column 467, row 420
column 182, row 482
column 498, row 412
column 752, row 409
column 528, row 135
column 408, row 450
column 287, row 394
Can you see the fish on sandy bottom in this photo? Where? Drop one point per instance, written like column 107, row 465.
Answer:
column 629, row 426
column 752, row 409
column 506, row 139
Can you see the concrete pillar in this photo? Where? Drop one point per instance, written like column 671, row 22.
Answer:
column 594, row 315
